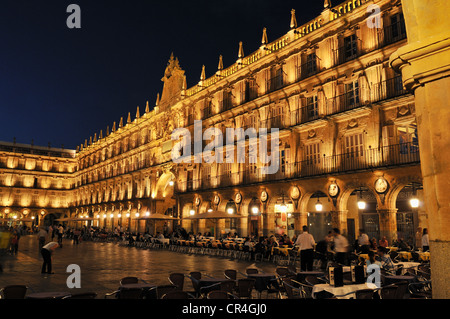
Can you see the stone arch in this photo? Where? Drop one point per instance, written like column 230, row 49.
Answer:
column 161, row 187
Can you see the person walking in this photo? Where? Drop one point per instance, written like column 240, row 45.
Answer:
column 60, row 234
column 42, row 237
column 306, row 244
column 363, row 242
column 340, row 247
column 425, row 240
column 47, row 252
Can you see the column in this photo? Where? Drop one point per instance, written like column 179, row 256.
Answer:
column 425, row 66
column 339, row 220
column 388, row 224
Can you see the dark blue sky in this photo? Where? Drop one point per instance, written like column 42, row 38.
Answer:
column 62, row 85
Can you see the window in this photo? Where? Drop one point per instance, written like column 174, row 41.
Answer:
column 352, row 94
column 408, row 139
column 350, row 47
column 251, row 89
column 276, row 79
column 312, row 154
column 190, row 117
column 354, row 146
column 311, row 64
column 207, row 110
column 227, row 100
column 311, row 108
column 398, row 29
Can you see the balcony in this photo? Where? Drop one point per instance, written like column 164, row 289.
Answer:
column 388, row 156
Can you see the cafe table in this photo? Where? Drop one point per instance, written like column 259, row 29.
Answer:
column 48, row 295
column 405, row 255
column 344, row 290
column 301, row 275
column 406, row 265
column 424, row 256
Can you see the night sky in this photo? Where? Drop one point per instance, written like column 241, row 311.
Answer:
column 61, row 85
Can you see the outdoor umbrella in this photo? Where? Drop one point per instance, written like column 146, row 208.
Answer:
column 215, row 215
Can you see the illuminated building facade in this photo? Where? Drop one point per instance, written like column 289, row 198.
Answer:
column 347, row 134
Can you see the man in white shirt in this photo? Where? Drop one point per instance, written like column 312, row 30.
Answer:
column 306, row 243
column 46, row 252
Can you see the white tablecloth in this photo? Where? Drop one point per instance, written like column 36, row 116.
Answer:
column 343, row 290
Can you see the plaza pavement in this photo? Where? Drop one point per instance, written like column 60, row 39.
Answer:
column 104, row 264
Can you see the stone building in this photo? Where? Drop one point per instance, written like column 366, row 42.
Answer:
column 347, row 134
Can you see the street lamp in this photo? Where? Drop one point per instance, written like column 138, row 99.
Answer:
column 414, row 201
column 361, row 203
column 319, row 205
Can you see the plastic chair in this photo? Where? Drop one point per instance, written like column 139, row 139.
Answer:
column 251, row 271
column 177, row 279
column 228, row 285
column 14, row 292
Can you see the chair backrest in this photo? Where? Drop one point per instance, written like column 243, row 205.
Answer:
column 219, row 294
column 164, row 289
column 402, row 290
column 177, row 279
column 389, row 292
column 228, row 286
column 364, row 294
column 282, row 271
column 312, row 280
column 130, row 293
column 85, row 295
column 196, row 274
column 129, row 280
column 287, row 284
column 250, row 271
column 245, row 287
column 14, row 292
column 176, row 294
column 230, row 274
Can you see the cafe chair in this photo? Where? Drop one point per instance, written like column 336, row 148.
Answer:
column 389, row 292
column 131, row 280
column 420, row 290
column 220, row 294
column 230, row 274
column 245, row 287
column 361, row 294
column 177, row 279
column 126, row 293
column 84, row 295
column 228, row 285
column 159, row 291
column 177, row 294
column 13, row 292
column 251, row 271
column 296, row 290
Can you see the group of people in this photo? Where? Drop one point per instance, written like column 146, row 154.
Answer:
column 9, row 242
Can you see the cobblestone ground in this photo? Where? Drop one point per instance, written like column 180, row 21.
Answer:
column 104, row 264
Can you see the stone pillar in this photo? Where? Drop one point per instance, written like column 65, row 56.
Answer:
column 300, row 220
column 201, row 226
column 388, row 224
column 339, row 220
column 425, row 66
column 243, row 227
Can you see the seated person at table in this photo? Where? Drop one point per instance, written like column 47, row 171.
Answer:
column 402, row 245
column 383, row 242
column 385, row 259
column 372, row 259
